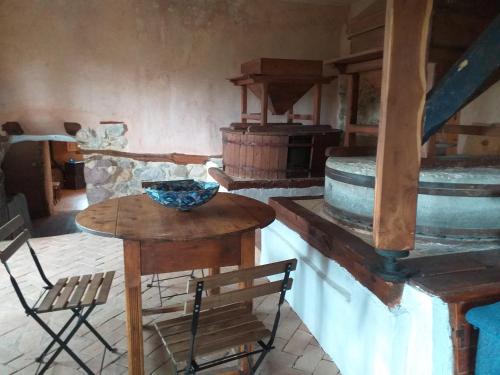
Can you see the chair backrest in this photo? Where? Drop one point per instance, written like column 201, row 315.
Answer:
column 16, row 225
column 240, row 276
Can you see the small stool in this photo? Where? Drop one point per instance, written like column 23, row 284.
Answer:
column 487, row 320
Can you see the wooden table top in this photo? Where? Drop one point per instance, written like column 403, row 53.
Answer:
column 137, row 217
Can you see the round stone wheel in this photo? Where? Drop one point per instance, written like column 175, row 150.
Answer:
column 454, row 202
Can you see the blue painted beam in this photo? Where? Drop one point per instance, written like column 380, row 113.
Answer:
column 468, row 78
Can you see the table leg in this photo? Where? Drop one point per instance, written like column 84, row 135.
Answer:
column 247, row 259
column 211, row 272
column 133, row 306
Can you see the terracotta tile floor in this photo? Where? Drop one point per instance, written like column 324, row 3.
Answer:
column 21, row 339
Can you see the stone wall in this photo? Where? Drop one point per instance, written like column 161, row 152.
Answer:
column 110, row 176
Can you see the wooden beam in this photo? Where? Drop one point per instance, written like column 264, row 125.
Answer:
column 264, row 100
column 401, row 109
column 171, row 158
column 476, row 70
column 316, row 117
column 351, row 116
column 244, row 103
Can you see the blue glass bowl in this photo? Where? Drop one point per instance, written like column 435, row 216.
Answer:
column 182, row 195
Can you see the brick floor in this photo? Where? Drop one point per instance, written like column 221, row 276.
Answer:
column 21, row 339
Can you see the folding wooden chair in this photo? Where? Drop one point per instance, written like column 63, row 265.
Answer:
column 80, row 294
column 224, row 321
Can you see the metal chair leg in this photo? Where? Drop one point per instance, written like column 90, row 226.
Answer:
column 61, row 331
column 259, row 361
column 60, row 342
column 63, row 345
column 99, row 337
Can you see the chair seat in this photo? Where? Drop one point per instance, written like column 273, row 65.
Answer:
column 218, row 329
column 77, row 291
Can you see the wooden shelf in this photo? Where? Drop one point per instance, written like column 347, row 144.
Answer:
column 371, row 54
column 358, row 62
column 362, row 129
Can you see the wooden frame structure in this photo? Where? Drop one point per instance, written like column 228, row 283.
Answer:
column 350, row 68
column 279, row 83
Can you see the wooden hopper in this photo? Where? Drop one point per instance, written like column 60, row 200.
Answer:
column 279, row 84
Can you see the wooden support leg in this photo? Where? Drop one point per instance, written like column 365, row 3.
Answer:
column 211, row 272
column 400, row 130
column 133, row 304
column 351, row 108
column 264, row 99
column 247, row 260
column 244, row 105
column 317, row 104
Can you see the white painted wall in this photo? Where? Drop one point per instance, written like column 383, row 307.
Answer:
column 360, row 333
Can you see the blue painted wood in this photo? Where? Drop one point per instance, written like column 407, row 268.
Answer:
column 464, row 81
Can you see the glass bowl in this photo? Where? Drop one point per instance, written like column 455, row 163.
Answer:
column 182, row 195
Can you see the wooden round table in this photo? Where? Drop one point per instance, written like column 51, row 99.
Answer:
column 158, row 239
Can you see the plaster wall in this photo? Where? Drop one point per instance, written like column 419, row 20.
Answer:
column 360, row 333
column 159, row 66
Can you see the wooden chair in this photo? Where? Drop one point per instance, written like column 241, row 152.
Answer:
column 79, row 294
column 223, row 321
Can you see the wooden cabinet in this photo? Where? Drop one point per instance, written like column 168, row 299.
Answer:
column 25, row 167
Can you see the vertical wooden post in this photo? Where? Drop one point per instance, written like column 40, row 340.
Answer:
column 133, row 303
column 400, row 132
column 212, row 272
column 247, row 259
column 317, row 104
column 351, row 116
column 244, row 105
column 289, row 119
column 263, row 103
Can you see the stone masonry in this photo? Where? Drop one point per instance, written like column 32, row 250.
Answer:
column 114, row 176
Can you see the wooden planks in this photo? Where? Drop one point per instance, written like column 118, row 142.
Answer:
column 236, row 184
column 165, row 256
column 50, row 297
column 218, row 329
column 66, row 293
column 228, row 278
column 239, row 295
column 171, row 158
column 14, row 245
column 77, row 291
column 263, row 152
column 402, row 103
column 91, row 292
column 100, row 218
column 138, row 217
column 11, row 227
column 80, row 290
